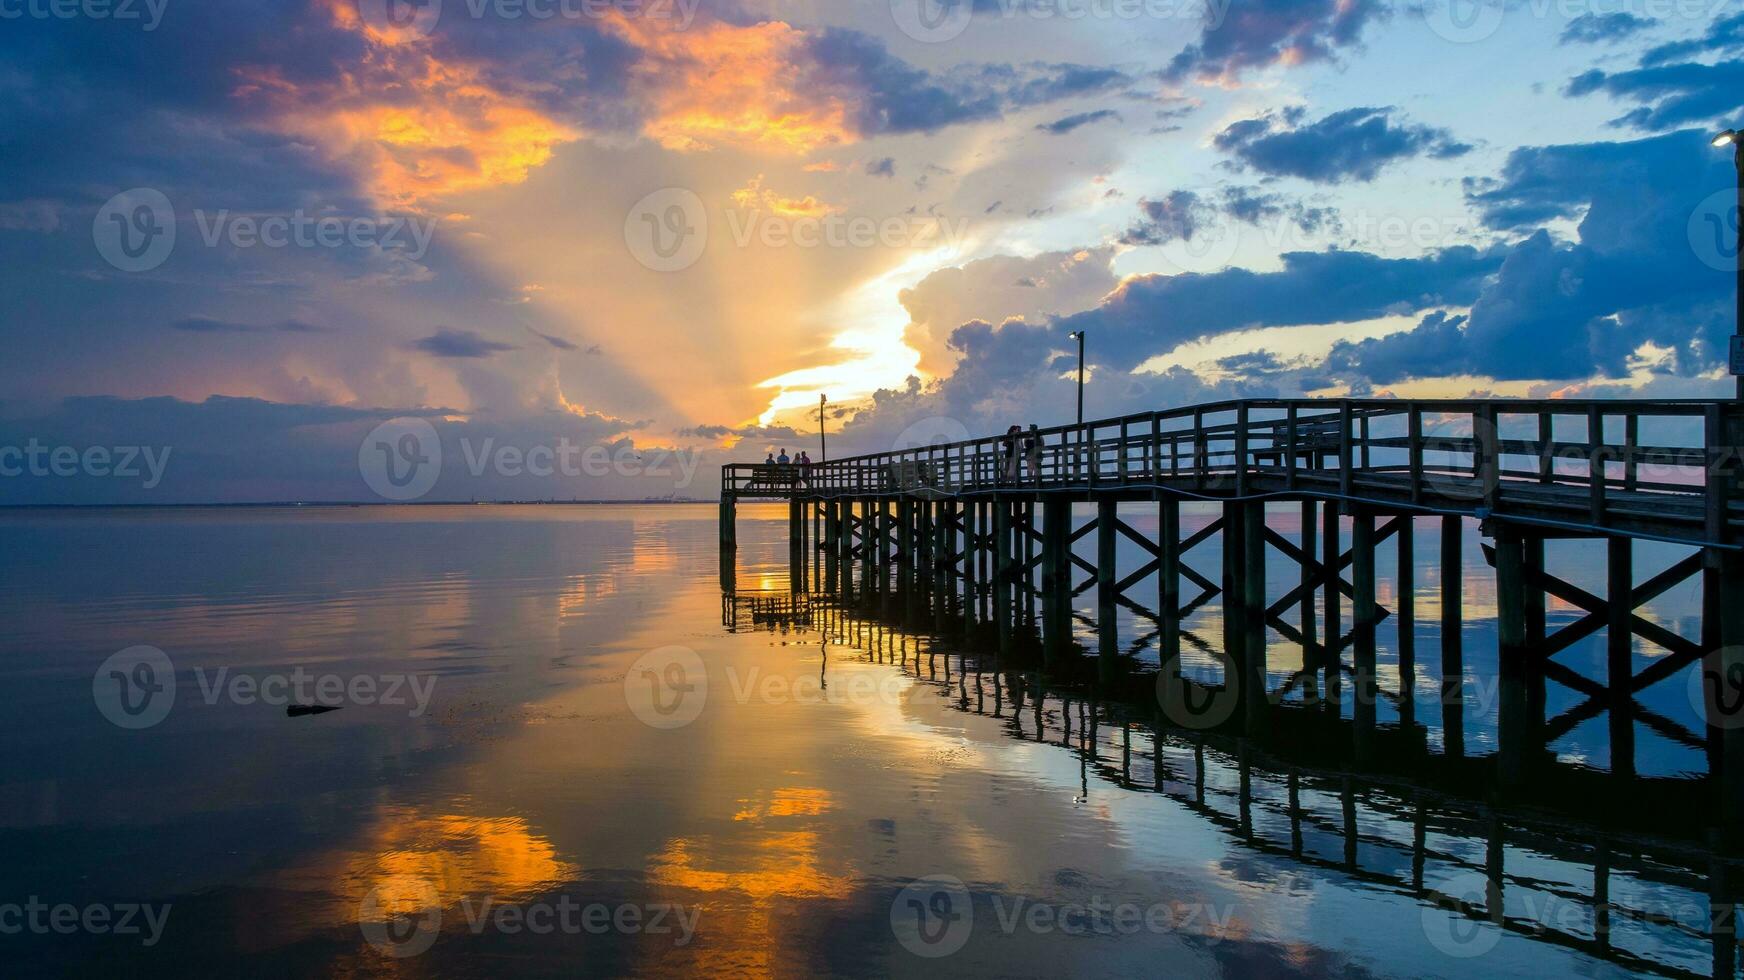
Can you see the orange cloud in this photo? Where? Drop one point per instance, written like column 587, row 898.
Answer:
column 720, row 84
column 755, row 195
column 415, row 127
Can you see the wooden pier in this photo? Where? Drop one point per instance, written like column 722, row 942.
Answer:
column 977, row 540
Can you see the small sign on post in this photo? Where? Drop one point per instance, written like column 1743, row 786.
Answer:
column 1737, row 358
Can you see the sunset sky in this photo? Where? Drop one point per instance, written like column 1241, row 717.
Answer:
column 672, row 225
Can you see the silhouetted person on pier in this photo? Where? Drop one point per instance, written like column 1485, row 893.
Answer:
column 1032, row 452
column 1008, row 453
column 782, row 459
column 770, row 461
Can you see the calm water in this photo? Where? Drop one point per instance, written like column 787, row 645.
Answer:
column 561, row 752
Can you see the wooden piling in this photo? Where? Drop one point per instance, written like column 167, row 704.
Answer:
column 1332, row 650
column 1619, row 653
column 1256, row 695
column 1169, row 588
column 1405, row 617
column 1452, row 637
column 1364, row 614
column 1107, row 625
column 1513, row 752
column 1002, row 574
column 1056, row 579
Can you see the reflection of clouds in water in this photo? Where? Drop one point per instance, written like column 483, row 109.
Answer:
column 745, row 881
column 409, row 859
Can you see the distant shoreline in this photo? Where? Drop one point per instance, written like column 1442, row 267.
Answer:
column 363, row 503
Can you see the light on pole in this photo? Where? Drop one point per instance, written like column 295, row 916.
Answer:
column 823, row 440
column 1078, row 335
column 1735, row 140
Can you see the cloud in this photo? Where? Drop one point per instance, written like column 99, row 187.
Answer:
column 1597, row 28
column 1673, row 95
column 1176, row 216
column 460, row 344
column 1671, row 90
column 998, row 288
column 1352, row 144
column 1722, row 36
column 206, row 324
column 35, row 215
column 1181, row 214
column 251, row 450
column 756, row 196
column 1069, row 123
column 1572, row 310
column 1153, row 314
column 1264, row 33
column 554, row 340
column 885, row 167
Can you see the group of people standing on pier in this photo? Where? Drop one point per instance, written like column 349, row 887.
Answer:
column 1020, row 450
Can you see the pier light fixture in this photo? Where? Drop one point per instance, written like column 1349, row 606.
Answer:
column 1735, row 356
column 1078, row 335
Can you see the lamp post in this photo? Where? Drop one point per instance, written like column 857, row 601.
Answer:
column 1735, row 140
column 1078, row 335
column 823, row 440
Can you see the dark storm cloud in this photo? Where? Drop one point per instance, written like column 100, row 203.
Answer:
column 1262, row 33
column 1352, row 144
column 460, row 344
column 885, row 167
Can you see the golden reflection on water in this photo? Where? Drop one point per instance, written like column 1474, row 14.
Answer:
column 739, row 886
column 405, row 861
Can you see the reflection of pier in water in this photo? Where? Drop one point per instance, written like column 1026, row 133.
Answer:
column 1654, row 906
column 979, row 540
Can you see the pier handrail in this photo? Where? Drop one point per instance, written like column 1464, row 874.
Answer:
column 1579, row 463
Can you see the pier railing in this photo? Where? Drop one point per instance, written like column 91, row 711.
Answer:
column 1662, row 468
